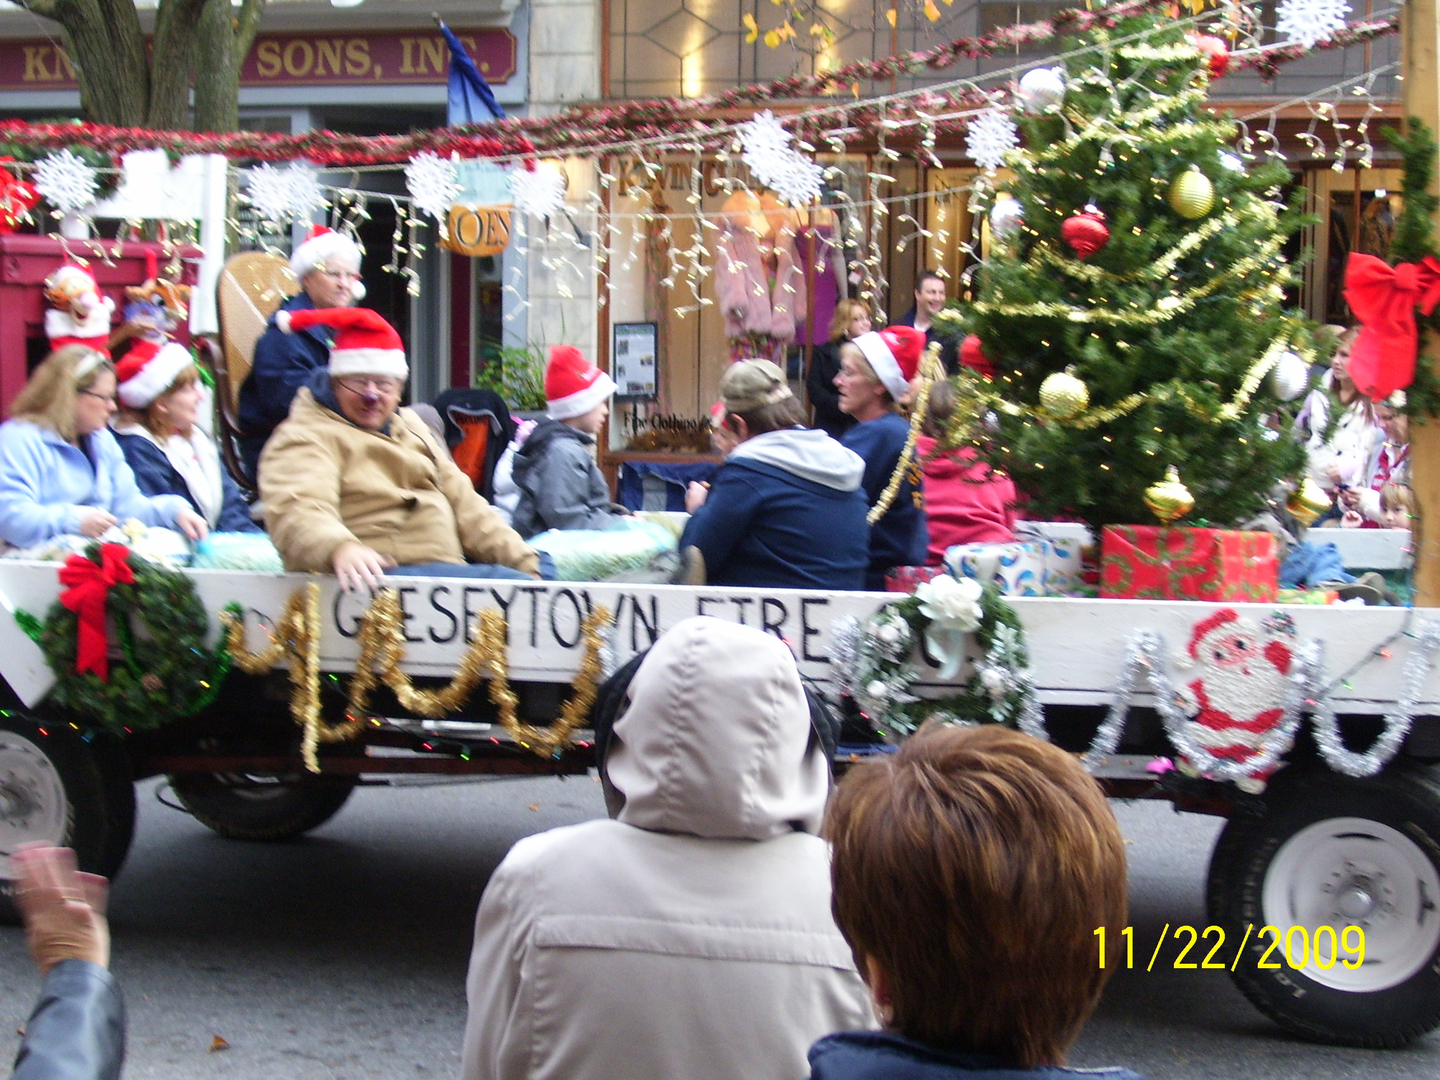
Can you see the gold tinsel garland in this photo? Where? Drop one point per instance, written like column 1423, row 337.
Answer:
column 381, row 638
column 930, row 369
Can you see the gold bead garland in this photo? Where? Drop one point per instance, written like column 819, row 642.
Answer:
column 381, row 638
column 931, row 369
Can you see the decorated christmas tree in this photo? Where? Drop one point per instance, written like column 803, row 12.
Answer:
column 1132, row 298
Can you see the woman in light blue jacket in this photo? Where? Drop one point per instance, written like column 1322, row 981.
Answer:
column 61, row 470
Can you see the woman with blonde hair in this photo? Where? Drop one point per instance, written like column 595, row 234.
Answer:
column 61, row 470
column 852, row 318
column 160, row 398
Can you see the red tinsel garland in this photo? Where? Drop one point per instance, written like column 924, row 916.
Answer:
column 669, row 120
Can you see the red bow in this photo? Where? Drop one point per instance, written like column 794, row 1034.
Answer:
column 1384, row 300
column 89, row 586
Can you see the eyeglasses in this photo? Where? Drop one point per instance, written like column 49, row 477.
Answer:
column 362, row 384
column 108, row 398
column 343, row 275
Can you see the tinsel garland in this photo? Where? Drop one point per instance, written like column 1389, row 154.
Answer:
column 381, row 640
column 1397, row 722
column 166, row 674
column 931, row 370
column 871, row 662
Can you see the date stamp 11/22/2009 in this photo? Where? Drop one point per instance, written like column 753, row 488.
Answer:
column 1295, row 947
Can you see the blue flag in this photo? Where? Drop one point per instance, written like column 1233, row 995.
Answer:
column 470, row 99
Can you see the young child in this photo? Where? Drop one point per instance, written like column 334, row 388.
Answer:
column 969, row 871
column 560, row 485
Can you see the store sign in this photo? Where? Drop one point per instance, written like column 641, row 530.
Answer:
column 310, row 59
column 478, row 230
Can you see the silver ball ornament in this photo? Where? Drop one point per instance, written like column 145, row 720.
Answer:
column 1040, row 89
column 1289, row 377
column 1006, row 217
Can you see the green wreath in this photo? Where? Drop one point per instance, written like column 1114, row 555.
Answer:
column 165, row 673
column 876, row 668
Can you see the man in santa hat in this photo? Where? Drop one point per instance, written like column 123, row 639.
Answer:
column 875, row 373
column 327, row 265
column 353, row 483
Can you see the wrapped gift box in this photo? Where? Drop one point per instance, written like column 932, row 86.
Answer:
column 1017, row 568
column 1151, row 562
column 1064, row 542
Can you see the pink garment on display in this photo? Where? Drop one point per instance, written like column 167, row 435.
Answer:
column 750, row 299
column 965, row 502
column 825, row 274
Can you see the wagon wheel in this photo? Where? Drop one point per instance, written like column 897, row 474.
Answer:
column 262, row 806
column 1333, row 851
column 58, row 789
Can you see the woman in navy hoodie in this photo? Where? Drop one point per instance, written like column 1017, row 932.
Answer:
column 875, row 373
column 969, row 872
column 785, row 510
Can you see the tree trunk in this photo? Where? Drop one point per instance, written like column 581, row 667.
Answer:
column 223, row 40
column 107, row 50
column 172, row 57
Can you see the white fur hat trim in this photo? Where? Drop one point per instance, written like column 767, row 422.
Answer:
column 369, row 362
column 582, row 401
column 322, row 249
column 882, row 362
column 155, row 377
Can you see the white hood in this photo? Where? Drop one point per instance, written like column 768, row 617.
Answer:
column 715, row 741
column 808, row 453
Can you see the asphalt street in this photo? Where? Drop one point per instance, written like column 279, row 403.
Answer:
column 343, row 955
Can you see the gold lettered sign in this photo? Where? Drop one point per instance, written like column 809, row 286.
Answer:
column 478, row 230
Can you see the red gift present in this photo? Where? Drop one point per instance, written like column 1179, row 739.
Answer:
column 1153, row 562
column 907, row 579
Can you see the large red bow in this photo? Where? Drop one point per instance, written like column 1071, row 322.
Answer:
column 89, row 586
column 1384, row 300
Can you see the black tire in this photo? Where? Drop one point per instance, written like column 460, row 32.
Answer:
column 1330, row 850
column 57, row 788
column 247, row 806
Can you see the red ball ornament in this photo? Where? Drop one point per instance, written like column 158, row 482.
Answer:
column 1086, row 232
column 972, row 355
column 1216, row 51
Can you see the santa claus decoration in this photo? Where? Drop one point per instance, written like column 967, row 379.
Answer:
column 1236, row 701
column 78, row 314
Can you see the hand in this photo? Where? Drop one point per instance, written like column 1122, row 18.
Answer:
column 192, row 524
column 1350, row 497
column 358, row 566
column 95, row 522
column 64, row 910
column 696, row 493
column 1352, row 520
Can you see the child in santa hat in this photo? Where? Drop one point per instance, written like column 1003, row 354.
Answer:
column 875, row 373
column 560, row 485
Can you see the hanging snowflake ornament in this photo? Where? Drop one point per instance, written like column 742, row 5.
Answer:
column 989, row 137
column 539, row 192
column 65, row 181
column 433, row 182
column 1310, row 21
column 289, row 194
column 767, row 152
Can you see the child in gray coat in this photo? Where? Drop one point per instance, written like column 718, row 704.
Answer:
column 560, row 485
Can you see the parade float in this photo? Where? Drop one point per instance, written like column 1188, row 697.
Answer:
column 1130, row 310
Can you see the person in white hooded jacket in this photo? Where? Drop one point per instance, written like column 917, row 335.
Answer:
column 691, row 936
column 786, row 510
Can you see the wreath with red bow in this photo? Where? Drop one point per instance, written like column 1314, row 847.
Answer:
column 165, row 672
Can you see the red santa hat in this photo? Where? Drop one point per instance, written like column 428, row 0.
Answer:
column 365, row 344
column 894, row 356
column 573, row 385
column 148, row 370
column 322, row 248
column 1205, row 627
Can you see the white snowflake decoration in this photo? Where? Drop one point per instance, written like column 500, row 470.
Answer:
column 989, row 137
column 65, row 181
column 1310, row 21
column 539, row 192
column 766, row 151
column 291, row 193
column 433, row 182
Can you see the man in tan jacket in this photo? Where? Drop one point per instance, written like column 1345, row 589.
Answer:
column 351, row 482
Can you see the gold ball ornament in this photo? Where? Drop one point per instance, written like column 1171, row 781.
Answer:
column 1062, row 395
column 1308, row 502
column 1191, row 194
column 1169, row 499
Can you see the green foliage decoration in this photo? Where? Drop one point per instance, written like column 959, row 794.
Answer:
column 1170, row 324
column 516, row 373
column 1415, row 239
column 165, row 672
